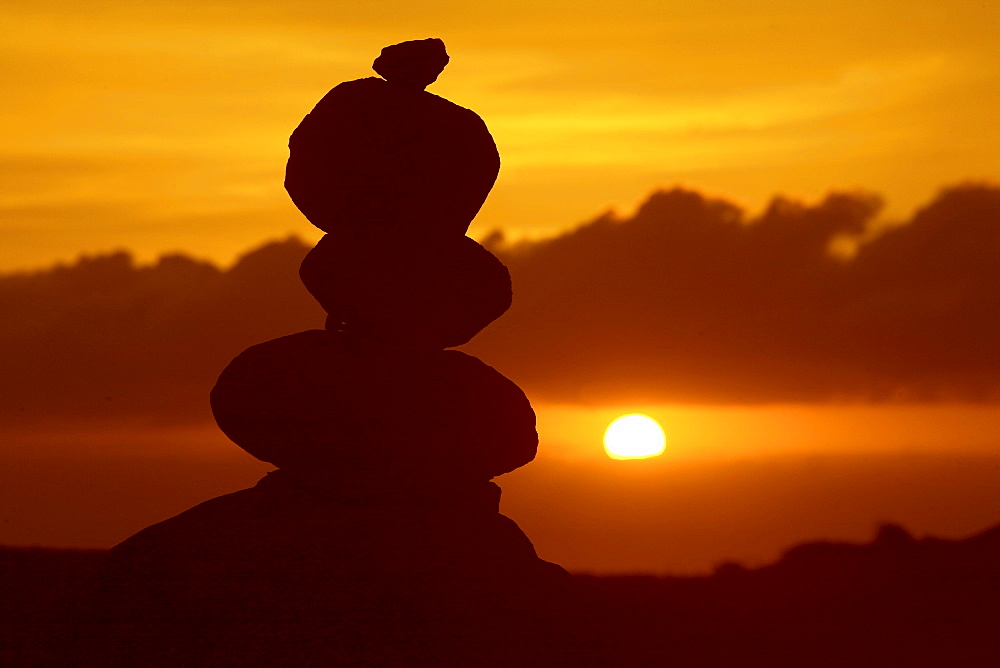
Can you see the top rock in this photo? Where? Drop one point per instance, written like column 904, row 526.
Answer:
column 414, row 64
column 385, row 156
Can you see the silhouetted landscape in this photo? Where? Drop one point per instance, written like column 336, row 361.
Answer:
column 897, row 601
column 376, row 538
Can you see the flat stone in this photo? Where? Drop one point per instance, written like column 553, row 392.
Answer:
column 434, row 293
column 319, row 399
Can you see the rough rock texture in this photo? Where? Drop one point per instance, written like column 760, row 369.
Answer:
column 435, row 295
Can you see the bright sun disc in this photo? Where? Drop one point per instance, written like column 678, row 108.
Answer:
column 634, row 437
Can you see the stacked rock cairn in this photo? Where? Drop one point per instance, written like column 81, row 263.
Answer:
column 378, row 540
column 374, row 418
column 394, row 175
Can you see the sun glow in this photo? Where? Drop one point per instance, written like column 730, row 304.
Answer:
column 634, row 437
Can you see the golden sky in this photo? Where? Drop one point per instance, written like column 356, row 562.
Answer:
column 161, row 126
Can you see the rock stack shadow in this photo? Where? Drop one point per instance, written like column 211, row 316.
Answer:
column 378, row 539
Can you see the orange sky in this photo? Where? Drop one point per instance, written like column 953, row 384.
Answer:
column 163, row 126
column 684, row 512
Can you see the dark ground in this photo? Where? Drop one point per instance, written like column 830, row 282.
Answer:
column 897, row 601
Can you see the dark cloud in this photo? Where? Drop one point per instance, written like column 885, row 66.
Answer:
column 688, row 300
column 104, row 339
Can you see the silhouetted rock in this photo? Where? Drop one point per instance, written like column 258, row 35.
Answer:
column 371, row 411
column 413, row 64
column 293, row 570
column 438, row 295
column 373, row 154
column 379, row 540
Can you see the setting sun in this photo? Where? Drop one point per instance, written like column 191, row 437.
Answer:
column 634, row 437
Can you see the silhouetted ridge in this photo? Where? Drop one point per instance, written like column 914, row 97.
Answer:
column 897, row 601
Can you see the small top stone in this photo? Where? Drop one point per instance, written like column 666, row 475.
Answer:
column 414, row 64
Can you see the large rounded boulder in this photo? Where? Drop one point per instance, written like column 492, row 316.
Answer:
column 324, row 400
column 384, row 153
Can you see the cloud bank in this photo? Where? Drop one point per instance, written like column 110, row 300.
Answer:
column 105, row 339
column 688, row 300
